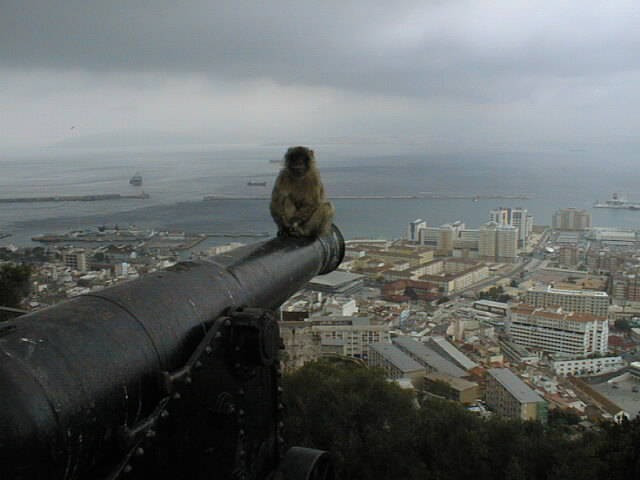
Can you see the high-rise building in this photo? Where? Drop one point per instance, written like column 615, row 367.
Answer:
column 517, row 217
column 414, row 229
column 498, row 242
column 581, row 301
column 76, row 259
column 557, row 331
column 571, row 219
column 510, row 397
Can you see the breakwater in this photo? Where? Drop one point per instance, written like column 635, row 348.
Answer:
column 76, row 198
column 417, row 196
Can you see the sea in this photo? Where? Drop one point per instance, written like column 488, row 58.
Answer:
column 178, row 178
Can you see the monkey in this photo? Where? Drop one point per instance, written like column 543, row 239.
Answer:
column 298, row 203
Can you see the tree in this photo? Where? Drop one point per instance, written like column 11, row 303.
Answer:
column 365, row 422
column 14, row 284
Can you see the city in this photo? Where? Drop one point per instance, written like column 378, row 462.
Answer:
column 511, row 318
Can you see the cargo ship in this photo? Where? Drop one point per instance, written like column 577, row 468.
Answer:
column 257, row 184
column 617, row 201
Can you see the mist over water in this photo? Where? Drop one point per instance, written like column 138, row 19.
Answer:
column 178, row 180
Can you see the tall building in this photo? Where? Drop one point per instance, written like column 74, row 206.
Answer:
column 571, row 219
column 76, row 259
column 510, row 397
column 413, row 233
column 557, row 331
column 582, row 301
column 498, row 242
column 517, row 217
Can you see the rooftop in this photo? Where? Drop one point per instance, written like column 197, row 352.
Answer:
column 429, row 356
column 514, row 385
column 335, row 278
column 394, row 355
column 581, row 293
column 555, row 314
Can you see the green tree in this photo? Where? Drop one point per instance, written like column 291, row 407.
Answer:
column 364, row 421
column 14, row 284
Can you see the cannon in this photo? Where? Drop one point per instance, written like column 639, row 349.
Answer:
column 174, row 375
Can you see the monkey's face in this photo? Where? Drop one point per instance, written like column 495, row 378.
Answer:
column 298, row 161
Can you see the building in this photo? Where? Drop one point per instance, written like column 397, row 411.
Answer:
column 571, row 219
column 510, row 397
column 587, row 366
column 427, row 357
column 413, row 233
column 445, row 349
column 355, row 333
column 396, row 363
column 516, row 217
column 517, row 353
column 75, row 259
column 452, row 388
column 490, row 306
column 301, row 344
column 337, row 283
column 557, row 331
column 498, row 242
column 582, row 301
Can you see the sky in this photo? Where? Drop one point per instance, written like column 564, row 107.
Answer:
column 426, row 75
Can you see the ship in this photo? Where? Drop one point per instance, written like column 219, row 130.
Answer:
column 619, row 202
column 136, row 180
column 257, row 184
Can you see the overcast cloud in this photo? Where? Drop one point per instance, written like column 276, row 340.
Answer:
column 440, row 74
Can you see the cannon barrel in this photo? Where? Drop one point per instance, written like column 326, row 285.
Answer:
column 79, row 379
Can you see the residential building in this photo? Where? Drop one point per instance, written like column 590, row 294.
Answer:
column 356, row 333
column 498, row 242
column 510, row 397
column 452, row 388
column 76, row 259
column 557, row 331
column 413, row 233
column 571, row 219
column 582, row 301
column 432, row 361
column 587, row 366
column 337, row 282
column 517, row 217
column 396, row 363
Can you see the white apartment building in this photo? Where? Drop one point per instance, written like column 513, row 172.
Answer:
column 588, row 366
column 557, row 331
column 354, row 334
column 413, row 233
column 582, row 301
column 517, row 217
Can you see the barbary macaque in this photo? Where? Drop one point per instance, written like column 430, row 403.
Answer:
column 298, row 203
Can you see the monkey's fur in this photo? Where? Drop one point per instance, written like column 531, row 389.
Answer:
column 298, row 204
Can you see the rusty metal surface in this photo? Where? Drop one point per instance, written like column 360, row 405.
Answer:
column 73, row 376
